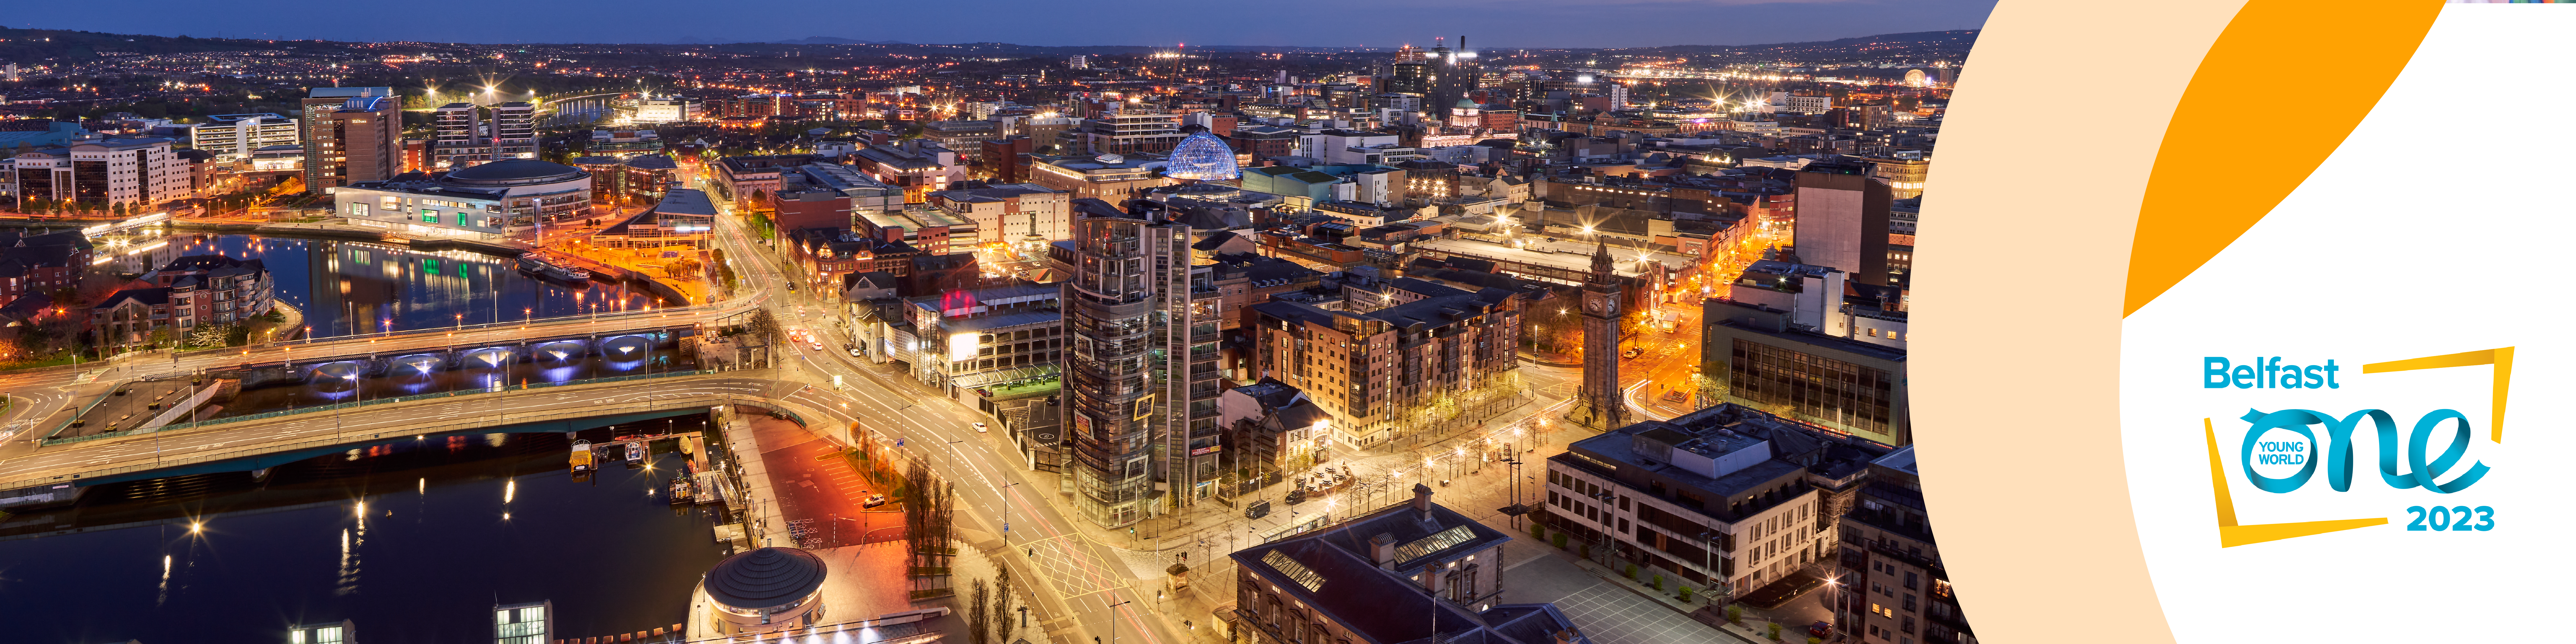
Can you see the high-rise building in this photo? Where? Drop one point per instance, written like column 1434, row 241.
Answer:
column 1842, row 219
column 1453, row 75
column 514, row 130
column 460, row 139
column 362, row 141
column 1600, row 404
column 324, row 100
column 1409, row 77
column 1079, row 62
column 233, row 137
column 1143, row 384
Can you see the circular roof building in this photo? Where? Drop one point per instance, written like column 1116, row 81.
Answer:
column 767, row 589
column 530, row 191
column 515, row 172
column 1202, row 157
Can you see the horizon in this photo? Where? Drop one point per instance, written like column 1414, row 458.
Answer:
column 1529, row 24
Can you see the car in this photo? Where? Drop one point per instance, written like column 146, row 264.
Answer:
column 979, row 428
column 873, row 501
column 818, row 346
column 854, row 353
column 1820, row 629
column 1632, row 352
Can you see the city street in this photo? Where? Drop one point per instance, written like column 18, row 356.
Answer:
column 1093, row 584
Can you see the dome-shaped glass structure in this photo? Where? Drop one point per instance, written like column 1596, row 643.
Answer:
column 1202, row 157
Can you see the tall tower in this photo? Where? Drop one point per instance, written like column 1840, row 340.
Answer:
column 1600, row 406
column 1142, row 374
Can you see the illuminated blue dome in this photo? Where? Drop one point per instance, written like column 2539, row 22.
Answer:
column 1202, row 157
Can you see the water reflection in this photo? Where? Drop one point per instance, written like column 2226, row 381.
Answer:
column 230, row 557
column 356, row 288
column 489, row 369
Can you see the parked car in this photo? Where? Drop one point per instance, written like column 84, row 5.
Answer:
column 980, row 428
column 854, row 353
column 1632, row 352
column 1820, row 629
column 874, row 501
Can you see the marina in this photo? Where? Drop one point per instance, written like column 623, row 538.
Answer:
column 407, row 542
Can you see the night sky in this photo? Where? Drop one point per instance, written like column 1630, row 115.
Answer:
column 1488, row 24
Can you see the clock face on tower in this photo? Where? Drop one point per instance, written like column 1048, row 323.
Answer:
column 1599, row 304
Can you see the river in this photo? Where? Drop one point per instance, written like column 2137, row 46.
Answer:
column 447, row 529
column 352, row 288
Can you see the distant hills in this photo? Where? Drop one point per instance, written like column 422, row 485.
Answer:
column 1960, row 39
column 37, row 45
column 808, row 40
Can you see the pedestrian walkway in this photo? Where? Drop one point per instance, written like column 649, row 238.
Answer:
column 759, row 495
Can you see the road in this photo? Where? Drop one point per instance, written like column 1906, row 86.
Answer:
column 1096, row 587
column 322, row 428
column 1090, row 579
column 39, row 396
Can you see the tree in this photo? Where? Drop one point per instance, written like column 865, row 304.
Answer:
column 1002, row 603
column 979, row 625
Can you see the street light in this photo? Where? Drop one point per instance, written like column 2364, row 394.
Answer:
column 1113, row 621
column 1005, row 493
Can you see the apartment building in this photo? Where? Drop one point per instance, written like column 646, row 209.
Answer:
column 220, row 289
column 1369, row 368
column 42, row 264
column 1893, row 588
column 514, row 130
column 1143, row 377
column 460, row 140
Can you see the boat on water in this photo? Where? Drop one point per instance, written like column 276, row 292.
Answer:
column 680, row 492
column 540, row 265
column 635, row 453
column 581, row 456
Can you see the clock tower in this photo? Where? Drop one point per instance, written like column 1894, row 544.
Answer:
column 1600, row 406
